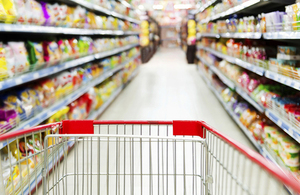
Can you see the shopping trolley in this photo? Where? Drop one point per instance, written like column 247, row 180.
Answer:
column 134, row 157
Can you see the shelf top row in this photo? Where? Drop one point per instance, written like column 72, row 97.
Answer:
column 31, row 76
column 254, row 35
column 256, row 69
column 248, row 6
column 104, row 10
column 60, row 30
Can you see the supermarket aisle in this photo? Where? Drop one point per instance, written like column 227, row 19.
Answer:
column 166, row 88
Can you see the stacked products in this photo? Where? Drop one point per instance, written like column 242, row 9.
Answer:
column 20, row 57
column 43, row 13
column 26, row 101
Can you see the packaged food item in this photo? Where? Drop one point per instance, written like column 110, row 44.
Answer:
column 51, row 52
column 35, row 55
column 4, row 71
column 46, row 92
column 10, row 60
column 22, row 17
column 35, row 12
column 48, row 14
column 75, row 49
column 79, row 17
column 20, row 54
column 8, row 120
column 64, row 50
column 3, row 14
column 289, row 152
column 10, row 9
column 63, row 84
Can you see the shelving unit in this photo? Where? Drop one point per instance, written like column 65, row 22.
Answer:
column 46, row 113
column 260, row 147
column 98, row 8
column 17, row 28
column 251, row 6
column 258, row 70
column 233, row 86
column 52, row 33
column 31, row 76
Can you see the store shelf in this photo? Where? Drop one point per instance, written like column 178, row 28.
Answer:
column 232, row 85
column 258, row 70
column 284, row 125
column 245, row 130
column 283, row 79
column 206, row 5
column 223, row 78
column 264, row 152
column 31, row 76
column 211, row 35
column 232, row 10
column 48, row 112
column 247, row 35
column 103, row 10
column 60, row 30
column 97, row 113
column 281, row 35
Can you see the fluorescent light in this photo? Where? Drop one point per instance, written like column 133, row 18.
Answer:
column 141, row 7
column 158, row 6
column 182, row 6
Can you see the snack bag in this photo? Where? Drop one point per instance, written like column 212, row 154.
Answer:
column 64, row 50
column 69, row 22
column 20, row 54
column 48, row 14
column 10, row 10
column 36, row 12
column 75, row 49
column 4, row 71
column 22, row 17
column 11, row 102
column 63, row 12
column 27, row 102
column 35, row 55
column 51, row 52
column 3, row 13
column 79, row 17
column 46, row 92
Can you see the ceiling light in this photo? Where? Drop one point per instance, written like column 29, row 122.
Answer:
column 182, row 6
column 158, row 6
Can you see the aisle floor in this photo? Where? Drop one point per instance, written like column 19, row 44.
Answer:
column 167, row 88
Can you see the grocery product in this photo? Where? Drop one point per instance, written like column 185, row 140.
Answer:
column 20, row 56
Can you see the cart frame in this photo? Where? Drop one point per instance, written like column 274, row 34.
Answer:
column 184, row 131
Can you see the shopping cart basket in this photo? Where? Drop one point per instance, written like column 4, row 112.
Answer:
column 134, row 157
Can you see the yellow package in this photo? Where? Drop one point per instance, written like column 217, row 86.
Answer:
column 295, row 12
column 3, row 14
column 11, row 11
column 3, row 66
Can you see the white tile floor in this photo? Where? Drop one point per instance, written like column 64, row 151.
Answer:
column 167, row 88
